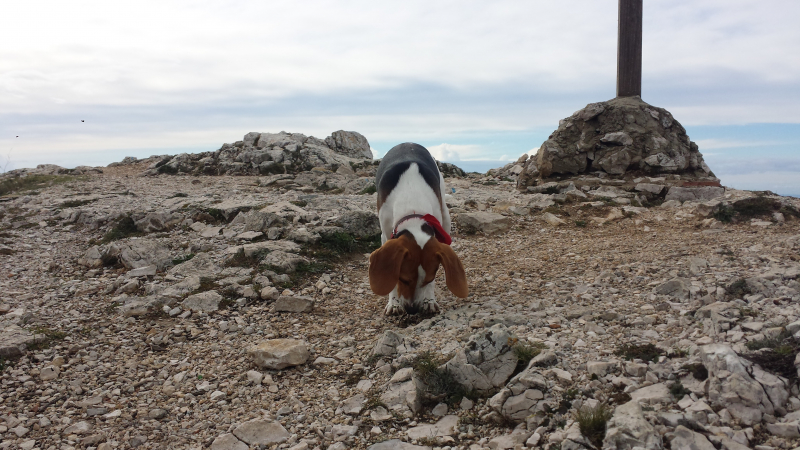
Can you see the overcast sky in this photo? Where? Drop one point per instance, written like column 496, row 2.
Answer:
column 471, row 80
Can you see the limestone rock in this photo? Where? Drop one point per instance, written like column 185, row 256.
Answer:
column 204, row 301
column 261, row 432
column 678, row 288
column 486, row 361
column 733, row 383
column 694, row 194
column 391, row 343
column 278, row 354
column 683, row 437
column 349, row 143
column 486, row 222
column 360, row 223
column 297, row 304
column 137, row 253
column 446, row 426
column 228, row 441
column 628, row 428
column 158, row 221
column 396, row 444
column 14, row 340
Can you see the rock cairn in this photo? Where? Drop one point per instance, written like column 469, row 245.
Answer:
column 620, row 136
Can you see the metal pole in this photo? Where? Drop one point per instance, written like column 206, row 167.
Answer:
column 629, row 49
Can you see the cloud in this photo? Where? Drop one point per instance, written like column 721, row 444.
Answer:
column 188, row 76
column 453, row 152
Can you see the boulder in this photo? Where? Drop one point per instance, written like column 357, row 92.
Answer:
column 391, row 343
column 158, row 221
column 298, row 304
column 14, row 340
column 279, row 354
column 446, row 426
column 486, row 361
column 349, row 143
column 628, row 429
column 259, row 432
column 360, row 223
column 135, row 253
column 486, row 222
column 745, row 390
column 228, row 441
column 522, row 396
column 282, row 261
column 678, row 288
column 204, row 301
column 694, row 194
column 396, row 444
column 201, row 266
column 683, row 437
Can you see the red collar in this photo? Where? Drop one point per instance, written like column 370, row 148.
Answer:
column 438, row 230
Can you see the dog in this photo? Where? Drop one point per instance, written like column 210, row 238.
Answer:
column 415, row 233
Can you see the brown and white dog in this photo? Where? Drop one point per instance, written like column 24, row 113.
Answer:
column 415, row 233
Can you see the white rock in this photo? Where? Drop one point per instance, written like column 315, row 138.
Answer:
column 446, row 426
column 228, row 441
column 254, row 376
column 628, row 429
column 279, row 354
column 261, row 432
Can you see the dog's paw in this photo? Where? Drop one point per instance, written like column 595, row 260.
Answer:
column 394, row 308
column 427, row 306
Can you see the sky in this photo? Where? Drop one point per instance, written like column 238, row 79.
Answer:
column 478, row 83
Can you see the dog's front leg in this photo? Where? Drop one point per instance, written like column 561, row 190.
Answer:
column 425, row 299
column 395, row 306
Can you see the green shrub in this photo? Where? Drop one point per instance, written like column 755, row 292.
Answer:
column 723, row 214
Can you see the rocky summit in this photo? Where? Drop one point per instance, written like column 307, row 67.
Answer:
column 221, row 300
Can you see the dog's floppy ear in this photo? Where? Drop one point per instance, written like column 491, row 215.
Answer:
column 384, row 266
column 436, row 253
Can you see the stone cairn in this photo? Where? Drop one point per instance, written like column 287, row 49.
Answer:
column 618, row 137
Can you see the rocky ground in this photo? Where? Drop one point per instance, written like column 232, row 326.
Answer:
column 196, row 311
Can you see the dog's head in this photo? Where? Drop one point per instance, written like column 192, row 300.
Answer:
column 403, row 264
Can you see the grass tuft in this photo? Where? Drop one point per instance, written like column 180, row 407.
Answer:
column 738, row 289
column 592, row 423
column 50, row 336
column 439, row 383
column 240, row 259
column 525, row 352
column 9, row 185
column 369, row 190
column 678, row 390
column 646, row 352
column 125, row 228
column 182, row 259
column 698, row 371
column 76, row 203
column 775, row 355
